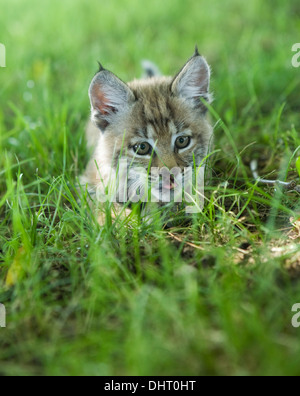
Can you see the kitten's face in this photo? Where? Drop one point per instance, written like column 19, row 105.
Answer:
column 157, row 123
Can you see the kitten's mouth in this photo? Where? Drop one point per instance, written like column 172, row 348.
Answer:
column 170, row 184
column 162, row 188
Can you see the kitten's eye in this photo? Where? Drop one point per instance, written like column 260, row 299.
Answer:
column 142, row 149
column 183, row 142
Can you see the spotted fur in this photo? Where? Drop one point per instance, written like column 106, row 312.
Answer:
column 154, row 110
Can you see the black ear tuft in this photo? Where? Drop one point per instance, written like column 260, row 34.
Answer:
column 101, row 68
column 196, row 51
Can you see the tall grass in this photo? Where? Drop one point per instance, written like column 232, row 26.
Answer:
column 132, row 298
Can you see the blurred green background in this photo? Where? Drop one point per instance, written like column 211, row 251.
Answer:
column 57, row 45
column 76, row 302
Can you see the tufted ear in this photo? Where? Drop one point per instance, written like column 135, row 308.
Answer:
column 109, row 96
column 193, row 82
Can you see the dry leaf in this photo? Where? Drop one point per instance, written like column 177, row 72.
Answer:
column 16, row 270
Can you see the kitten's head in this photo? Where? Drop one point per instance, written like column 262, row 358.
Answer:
column 160, row 120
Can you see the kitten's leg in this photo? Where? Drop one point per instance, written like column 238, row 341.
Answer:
column 92, row 135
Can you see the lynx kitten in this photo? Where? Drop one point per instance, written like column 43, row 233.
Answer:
column 156, row 122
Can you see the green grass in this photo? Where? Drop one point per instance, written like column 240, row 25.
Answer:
column 210, row 298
